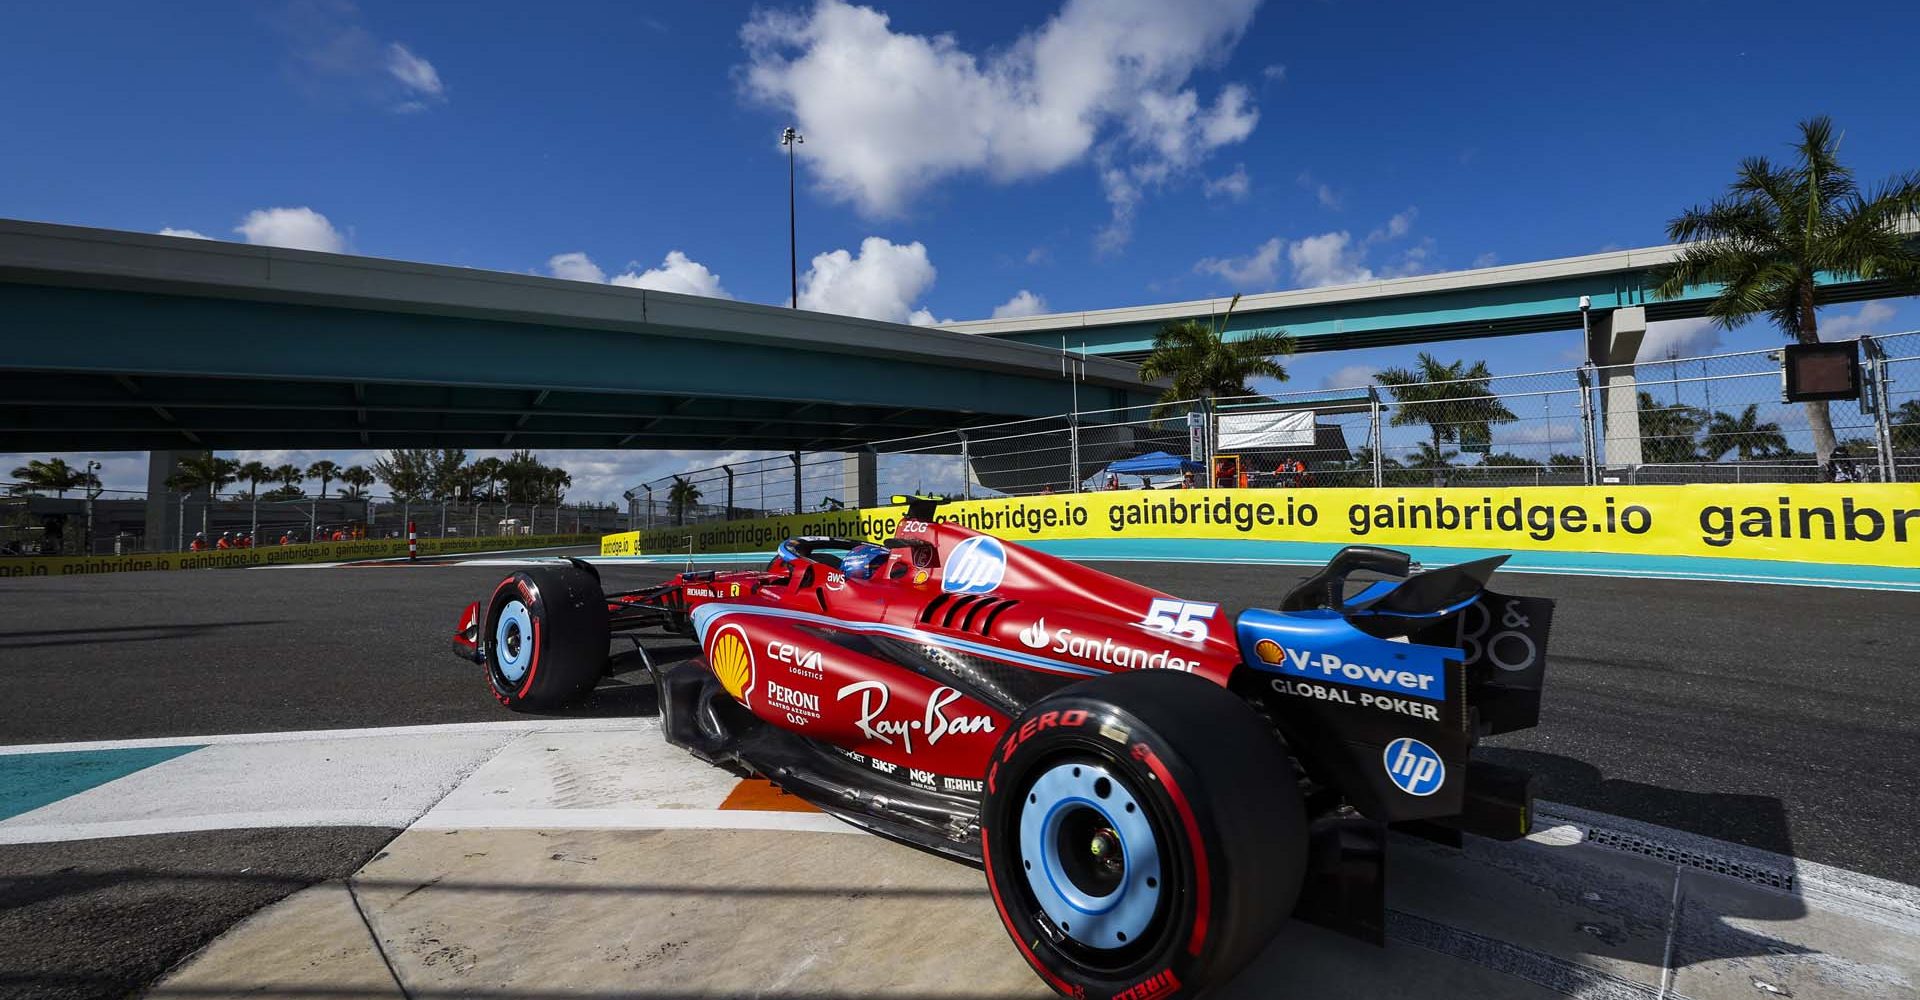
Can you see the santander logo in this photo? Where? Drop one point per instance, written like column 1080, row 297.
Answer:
column 1035, row 635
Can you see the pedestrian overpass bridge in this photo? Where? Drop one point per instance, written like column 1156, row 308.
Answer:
column 127, row 341
column 1536, row 297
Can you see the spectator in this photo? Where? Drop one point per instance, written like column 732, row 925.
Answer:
column 199, row 543
column 245, row 541
column 1840, row 467
column 286, row 537
column 224, row 541
column 1186, row 480
column 339, row 535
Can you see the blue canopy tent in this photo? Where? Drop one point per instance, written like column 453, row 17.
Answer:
column 1155, row 463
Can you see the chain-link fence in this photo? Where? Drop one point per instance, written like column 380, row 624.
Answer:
column 113, row 522
column 1709, row 419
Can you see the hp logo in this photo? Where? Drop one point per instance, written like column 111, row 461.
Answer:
column 976, row 566
column 1414, row 766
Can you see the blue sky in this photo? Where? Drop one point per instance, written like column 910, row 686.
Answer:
column 1087, row 154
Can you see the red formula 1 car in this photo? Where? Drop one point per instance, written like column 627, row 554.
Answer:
column 1151, row 787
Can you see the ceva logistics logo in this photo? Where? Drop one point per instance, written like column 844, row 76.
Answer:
column 1414, row 766
column 975, row 566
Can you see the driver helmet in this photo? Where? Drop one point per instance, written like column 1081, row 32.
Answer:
column 861, row 560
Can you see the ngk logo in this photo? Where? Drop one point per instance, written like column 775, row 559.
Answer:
column 805, row 662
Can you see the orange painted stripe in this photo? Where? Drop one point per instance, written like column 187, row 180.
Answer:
column 761, row 795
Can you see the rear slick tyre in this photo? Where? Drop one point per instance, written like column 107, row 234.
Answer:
column 1143, row 836
column 546, row 638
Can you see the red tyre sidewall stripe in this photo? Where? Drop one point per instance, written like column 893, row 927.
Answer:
column 1202, row 889
column 534, row 667
column 993, row 888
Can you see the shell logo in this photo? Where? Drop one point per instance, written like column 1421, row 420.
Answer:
column 732, row 658
column 1269, row 651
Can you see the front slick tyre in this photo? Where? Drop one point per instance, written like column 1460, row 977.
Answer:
column 1143, row 836
column 546, row 638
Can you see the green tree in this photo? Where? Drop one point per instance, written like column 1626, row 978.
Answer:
column 1905, row 423
column 1746, row 435
column 355, row 479
column 1455, row 401
column 1201, row 361
column 407, row 473
column 53, row 474
column 683, row 495
column 290, row 476
column 1670, row 432
column 205, row 471
column 487, row 470
column 1561, row 462
column 445, row 472
column 326, row 471
column 253, row 474
column 1780, row 225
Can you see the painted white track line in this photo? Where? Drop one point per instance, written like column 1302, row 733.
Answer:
column 510, row 726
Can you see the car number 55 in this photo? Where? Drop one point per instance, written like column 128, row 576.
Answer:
column 1185, row 619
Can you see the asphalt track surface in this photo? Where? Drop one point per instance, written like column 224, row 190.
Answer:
column 1774, row 716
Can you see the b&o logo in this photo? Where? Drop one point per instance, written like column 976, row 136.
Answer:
column 976, row 566
column 1414, row 766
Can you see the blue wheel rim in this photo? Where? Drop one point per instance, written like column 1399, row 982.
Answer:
column 1071, row 793
column 513, row 641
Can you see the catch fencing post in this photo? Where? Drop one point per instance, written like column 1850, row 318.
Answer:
column 1590, row 464
column 966, row 467
column 728, row 469
column 413, row 544
column 1373, row 435
column 1073, row 450
column 649, row 490
column 1879, row 385
column 798, row 496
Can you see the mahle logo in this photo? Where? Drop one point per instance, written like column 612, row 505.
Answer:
column 975, row 566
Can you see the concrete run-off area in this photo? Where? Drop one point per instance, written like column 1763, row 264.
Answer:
column 588, row 859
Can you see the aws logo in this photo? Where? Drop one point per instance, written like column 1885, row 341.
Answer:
column 732, row 658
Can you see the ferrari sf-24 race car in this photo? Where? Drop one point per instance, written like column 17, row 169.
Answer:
column 1150, row 788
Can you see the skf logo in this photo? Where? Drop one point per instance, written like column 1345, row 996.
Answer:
column 1161, row 984
column 1414, row 766
column 976, row 566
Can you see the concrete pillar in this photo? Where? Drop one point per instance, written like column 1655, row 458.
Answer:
column 163, row 504
column 860, row 478
column 1613, row 343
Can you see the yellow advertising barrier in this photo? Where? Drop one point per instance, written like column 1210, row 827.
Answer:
column 275, row 555
column 1837, row 523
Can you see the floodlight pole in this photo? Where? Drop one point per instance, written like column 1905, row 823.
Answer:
column 791, row 138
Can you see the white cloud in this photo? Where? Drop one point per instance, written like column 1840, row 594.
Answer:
column 414, row 73
column 185, row 233
column 335, row 56
column 1327, row 259
column 677, row 273
column 1234, row 185
column 882, row 282
column 1328, row 197
column 575, row 266
column 1255, row 272
column 888, row 114
column 1487, row 259
column 1349, row 377
column 294, row 228
column 1024, row 303
column 1872, row 318
column 1681, row 337
column 1396, row 227
column 1275, row 72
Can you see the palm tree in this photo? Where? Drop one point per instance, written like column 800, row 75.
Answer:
column 1745, row 434
column 290, row 477
column 53, row 474
column 253, row 474
column 203, row 471
column 1202, row 362
column 1670, row 432
column 487, row 470
column 355, row 479
column 684, row 494
column 1455, row 401
column 1778, row 226
column 326, row 472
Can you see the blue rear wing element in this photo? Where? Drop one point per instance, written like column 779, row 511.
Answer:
column 1322, row 647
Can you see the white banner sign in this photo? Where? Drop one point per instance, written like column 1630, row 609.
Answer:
column 1259, row 431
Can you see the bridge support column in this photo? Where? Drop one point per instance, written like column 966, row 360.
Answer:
column 163, row 504
column 1613, row 343
column 859, row 478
